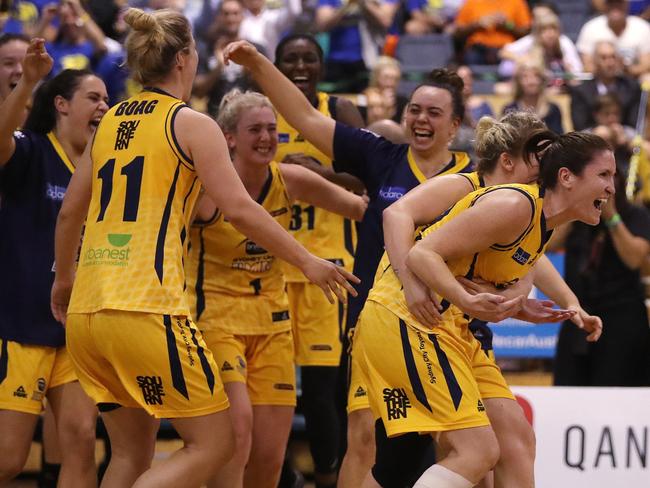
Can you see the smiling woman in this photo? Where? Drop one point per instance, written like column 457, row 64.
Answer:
column 434, row 114
column 496, row 234
column 238, row 292
column 36, row 164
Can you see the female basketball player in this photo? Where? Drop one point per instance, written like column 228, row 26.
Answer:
column 496, row 234
column 317, row 325
column 135, row 348
column 499, row 146
column 242, row 307
column 36, row 164
column 387, row 170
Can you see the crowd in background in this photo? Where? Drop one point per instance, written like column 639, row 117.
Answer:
column 580, row 65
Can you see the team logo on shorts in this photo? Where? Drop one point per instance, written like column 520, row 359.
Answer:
column 397, row 403
column 360, row 392
column 39, row 392
column 152, row 389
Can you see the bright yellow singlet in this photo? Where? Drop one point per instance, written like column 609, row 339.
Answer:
column 143, row 192
column 502, row 265
column 234, row 284
column 323, row 233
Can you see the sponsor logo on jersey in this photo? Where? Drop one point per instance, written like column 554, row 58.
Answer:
column 55, row 192
column 20, row 392
column 143, row 107
column 283, row 386
column 115, row 255
column 320, row 347
column 283, row 138
column 521, row 256
column 252, row 248
column 392, row 193
column 227, row 366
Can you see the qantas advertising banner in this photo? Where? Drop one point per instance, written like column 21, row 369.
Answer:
column 589, row 437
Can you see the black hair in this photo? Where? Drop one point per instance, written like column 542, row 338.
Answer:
column 7, row 38
column 296, row 37
column 573, row 150
column 42, row 117
column 450, row 81
column 549, row 5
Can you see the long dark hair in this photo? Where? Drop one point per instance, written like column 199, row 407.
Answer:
column 42, row 117
column 573, row 150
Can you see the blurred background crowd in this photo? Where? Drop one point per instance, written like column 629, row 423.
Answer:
column 579, row 64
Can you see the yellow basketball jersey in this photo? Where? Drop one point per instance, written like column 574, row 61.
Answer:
column 233, row 279
column 502, row 265
column 323, row 233
column 143, row 191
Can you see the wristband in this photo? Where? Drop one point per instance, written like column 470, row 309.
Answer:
column 613, row 221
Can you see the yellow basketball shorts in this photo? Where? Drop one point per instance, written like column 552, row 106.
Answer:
column 486, row 372
column 27, row 372
column 418, row 382
column 317, row 325
column 159, row 363
column 263, row 362
column 358, row 384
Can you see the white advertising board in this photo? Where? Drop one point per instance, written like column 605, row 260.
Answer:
column 589, row 437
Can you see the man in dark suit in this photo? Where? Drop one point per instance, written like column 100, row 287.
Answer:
column 608, row 79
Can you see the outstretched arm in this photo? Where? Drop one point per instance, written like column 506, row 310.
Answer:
column 309, row 187
column 420, row 206
column 497, row 217
column 285, row 96
column 36, row 65
column 202, row 139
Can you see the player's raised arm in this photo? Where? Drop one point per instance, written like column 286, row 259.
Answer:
column 285, row 96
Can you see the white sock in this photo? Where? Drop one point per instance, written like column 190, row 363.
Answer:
column 438, row 476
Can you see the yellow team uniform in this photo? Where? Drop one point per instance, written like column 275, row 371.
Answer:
column 357, row 391
column 129, row 330
column 427, row 380
column 238, row 298
column 317, row 324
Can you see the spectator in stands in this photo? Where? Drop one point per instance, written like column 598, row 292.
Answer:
column 640, row 8
column 264, row 26
column 384, row 79
column 630, row 35
column 530, row 94
column 545, row 45
column 607, row 115
column 18, row 17
column 608, row 78
column 76, row 41
column 429, row 16
column 602, row 268
column 475, row 108
column 487, row 25
column 355, row 30
column 214, row 79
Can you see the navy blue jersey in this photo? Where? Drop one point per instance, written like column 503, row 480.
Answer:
column 388, row 171
column 32, row 186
